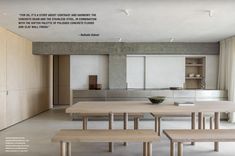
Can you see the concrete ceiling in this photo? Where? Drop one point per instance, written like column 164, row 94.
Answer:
column 149, row 20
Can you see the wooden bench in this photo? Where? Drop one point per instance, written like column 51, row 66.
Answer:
column 65, row 137
column 182, row 136
column 135, row 116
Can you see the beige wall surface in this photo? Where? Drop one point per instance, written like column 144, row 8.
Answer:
column 24, row 80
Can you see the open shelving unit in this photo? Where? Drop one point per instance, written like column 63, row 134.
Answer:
column 195, row 72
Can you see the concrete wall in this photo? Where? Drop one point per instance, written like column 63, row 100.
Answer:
column 69, row 48
column 117, row 72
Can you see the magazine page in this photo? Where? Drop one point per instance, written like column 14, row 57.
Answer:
column 117, row 77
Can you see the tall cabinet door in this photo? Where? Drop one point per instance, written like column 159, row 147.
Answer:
column 3, row 79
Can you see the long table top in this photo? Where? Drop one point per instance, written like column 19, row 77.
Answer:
column 147, row 107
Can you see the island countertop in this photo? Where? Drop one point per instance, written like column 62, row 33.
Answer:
column 143, row 94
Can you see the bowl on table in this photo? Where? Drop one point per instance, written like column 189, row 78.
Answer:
column 157, row 99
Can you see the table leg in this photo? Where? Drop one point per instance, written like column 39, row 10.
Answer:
column 68, row 149
column 159, row 126
column 110, row 127
column 180, row 149
column 193, row 124
column 200, row 120
column 172, row 149
column 84, row 123
column 150, row 149
column 125, row 126
column 204, row 123
column 156, row 124
column 145, row 147
column 63, row 148
column 136, row 123
column 211, row 122
column 217, row 126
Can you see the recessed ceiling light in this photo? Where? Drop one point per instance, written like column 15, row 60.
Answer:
column 210, row 12
column 126, row 11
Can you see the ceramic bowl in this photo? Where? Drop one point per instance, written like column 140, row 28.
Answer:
column 157, row 99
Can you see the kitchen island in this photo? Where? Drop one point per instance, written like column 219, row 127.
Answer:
column 141, row 95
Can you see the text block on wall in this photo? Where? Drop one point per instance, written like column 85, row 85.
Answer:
column 81, row 66
column 165, row 71
column 135, row 72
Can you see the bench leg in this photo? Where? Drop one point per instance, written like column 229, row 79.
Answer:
column 110, row 127
column 158, row 125
column 68, row 148
column 145, row 147
column 136, row 123
column 63, row 149
column 150, row 149
column 217, row 126
column 193, row 124
column 84, row 122
column 125, row 126
column 172, row 149
column 180, row 149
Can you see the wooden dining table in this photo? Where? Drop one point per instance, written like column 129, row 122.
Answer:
column 125, row 107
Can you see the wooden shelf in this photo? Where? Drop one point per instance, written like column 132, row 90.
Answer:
column 194, row 65
column 193, row 78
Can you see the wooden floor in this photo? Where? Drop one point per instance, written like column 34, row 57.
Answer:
column 40, row 129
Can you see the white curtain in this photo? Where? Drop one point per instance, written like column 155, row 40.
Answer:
column 226, row 78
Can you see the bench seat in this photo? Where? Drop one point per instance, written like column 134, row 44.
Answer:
column 182, row 136
column 66, row 136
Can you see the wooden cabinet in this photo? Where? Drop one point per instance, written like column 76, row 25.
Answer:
column 23, row 80
column 195, row 72
column 2, row 79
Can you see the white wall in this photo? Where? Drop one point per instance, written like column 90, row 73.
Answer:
column 135, row 72
column 165, row 71
column 212, row 66
column 81, row 66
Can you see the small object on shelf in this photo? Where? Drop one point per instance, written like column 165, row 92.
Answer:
column 175, row 88
column 99, row 86
column 198, row 75
column 186, row 103
column 157, row 99
column 191, row 75
column 93, row 82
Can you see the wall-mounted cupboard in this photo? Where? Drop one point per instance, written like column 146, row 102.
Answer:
column 164, row 71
